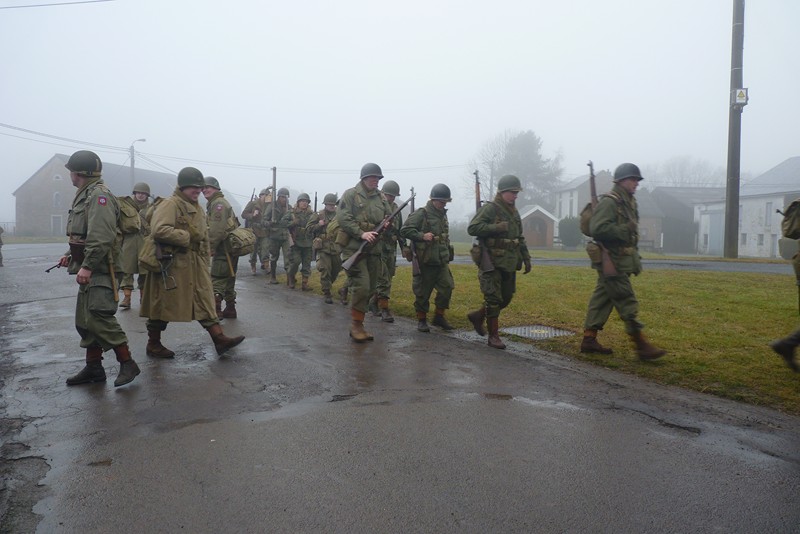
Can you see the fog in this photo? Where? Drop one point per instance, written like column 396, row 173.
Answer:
column 317, row 88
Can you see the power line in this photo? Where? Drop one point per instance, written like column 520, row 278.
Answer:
column 59, row 4
column 98, row 145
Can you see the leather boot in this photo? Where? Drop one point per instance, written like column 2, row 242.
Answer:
column 265, row 267
column 644, row 349
column 343, row 295
column 785, row 348
column 218, row 305
column 373, row 306
column 494, row 333
column 440, row 321
column 386, row 314
column 154, row 347
column 222, row 342
column 591, row 345
column 128, row 370
column 126, row 300
column 304, row 284
column 93, row 371
column 230, row 310
column 357, row 331
column 328, row 297
column 477, row 318
column 422, row 324
column 290, row 281
column 273, row 268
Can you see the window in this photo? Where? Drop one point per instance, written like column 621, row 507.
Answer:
column 56, row 199
column 768, row 215
column 743, row 240
column 571, row 204
column 760, row 240
column 705, row 241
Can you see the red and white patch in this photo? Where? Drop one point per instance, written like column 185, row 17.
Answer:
column 101, row 200
column 219, row 207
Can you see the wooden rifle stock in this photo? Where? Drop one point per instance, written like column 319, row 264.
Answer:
column 608, row 267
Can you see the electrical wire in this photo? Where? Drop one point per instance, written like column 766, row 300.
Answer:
column 59, row 4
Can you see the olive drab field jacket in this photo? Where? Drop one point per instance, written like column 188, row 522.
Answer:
column 256, row 221
column 326, row 234
column 276, row 227
column 132, row 242
column 93, row 229
column 424, row 220
column 507, row 248
column 296, row 221
column 359, row 211
column 391, row 237
column 615, row 224
column 221, row 222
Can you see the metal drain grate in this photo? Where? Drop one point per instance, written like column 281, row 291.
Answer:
column 536, row 331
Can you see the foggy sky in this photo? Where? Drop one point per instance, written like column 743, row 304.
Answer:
column 417, row 87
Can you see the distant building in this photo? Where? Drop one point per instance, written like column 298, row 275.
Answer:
column 679, row 223
column 538, row 226
column 573, row 196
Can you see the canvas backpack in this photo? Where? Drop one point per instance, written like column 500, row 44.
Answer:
column 588, row 211
column 790, row 226
column 129, row 221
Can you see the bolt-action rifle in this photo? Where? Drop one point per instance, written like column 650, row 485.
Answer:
column 412, row 245
column 609, row 269
column 486, row 264
column 313, row 250
column 379, row 229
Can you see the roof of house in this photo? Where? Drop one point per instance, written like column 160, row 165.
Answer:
column 781, row 179
column 689, row 195
column 525, row 211
column 580, row 180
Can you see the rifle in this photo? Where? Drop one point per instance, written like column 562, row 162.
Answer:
column 412, row 245
column 56, row 266
column 379, row 229
column 486, row 264
column 609, row 269
column 313, row 250
column 247, row 223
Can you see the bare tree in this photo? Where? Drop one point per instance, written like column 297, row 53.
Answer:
column 683, row 171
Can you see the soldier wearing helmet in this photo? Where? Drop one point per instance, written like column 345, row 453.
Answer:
column 221, row 222
column 429, row 231
column 278, row 238
column 134, row 228
column 184, row 293
column 615, row 226
column 253, row 215
column 93, row 257
column 390, row 239
column 323, row 229
column 296, row 221
column 362, row 209
column 498, row 227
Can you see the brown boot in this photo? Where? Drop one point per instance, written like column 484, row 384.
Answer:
column 644, row 349
column 440, row 320
column 386, row 314
column 93, row 371
column 357, row 331
column 477, row 319
column 218, row 305
column 343, row 295
column 154, row 347
column 591, row 345
column 273, row 268
column 128, row 370
column 265, row 267
column 222, row 342
column 290, row 281
column 230, row 310
column 494, row 336
column 126, row 300
column 304, row 284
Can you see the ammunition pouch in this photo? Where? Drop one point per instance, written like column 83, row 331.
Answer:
column 502, row 243
column 316, row 244
column 451, row 253
column 475, row 254
column 342, row 238
column 594, row 252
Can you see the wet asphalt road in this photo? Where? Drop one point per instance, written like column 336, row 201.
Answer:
column 298, row 429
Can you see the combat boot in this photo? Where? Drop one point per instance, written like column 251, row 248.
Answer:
column 328, row 297
column 222, row 342
column 343, row 295
column 477, row 318
column 273, row 268
column 253, row 268
column 305, row 286
column 154, row 347
column 93, row 371
column 230, row 310
column 591, row 345
column 126, row 299
column 373, row 307
column 290, row 281
column 265, row 267
column 218, row 305
column 357, row 331
column 645, row 350
column 785, row 348
column 440, row 321
column 494, row 333
column 386, row 314
column 422, row 324
column 128, row 370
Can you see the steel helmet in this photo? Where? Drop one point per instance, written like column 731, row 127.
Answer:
column 440, row 192
column 190, row 177
column 264, row 192
column 627, row 170
column 390, row 187
column 371, row 169
column 303, row 196
column 142, row 187
column 212, row 182
column 283, row 192
column 509, row 182
column 85, row 163
column 330, row 198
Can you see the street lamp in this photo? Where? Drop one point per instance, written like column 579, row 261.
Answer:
column 133, row 176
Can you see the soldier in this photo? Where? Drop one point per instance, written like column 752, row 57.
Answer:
column 361, row 209
column 427, row 228
column 221, row 222
column 131, row 210
column 179, row 227
column 253, row 213
column 93, row 256
column 323, row 229
column 389, row 241
column 277, row 233
column 615, row 226
column 296, row 221
column 498, row 227
column 786, row 347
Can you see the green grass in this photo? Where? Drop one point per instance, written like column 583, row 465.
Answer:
column 715, row 326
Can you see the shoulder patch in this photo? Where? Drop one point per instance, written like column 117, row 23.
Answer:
column 102, row 200
column 218, row 207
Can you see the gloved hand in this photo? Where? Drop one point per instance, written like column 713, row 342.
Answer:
column 527, row 262
column 501, row 227
column 407, row 253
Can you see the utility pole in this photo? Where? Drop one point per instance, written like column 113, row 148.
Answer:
column 133, row 171
column 738, row 99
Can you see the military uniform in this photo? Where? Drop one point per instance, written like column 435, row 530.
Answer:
column 433, row 258
column 277, row 237
column 296, row 221
column 221, row 222
column 329, row 261
column 787, row 346
column 255, row 222
column 131, row 245
column 390, row 239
